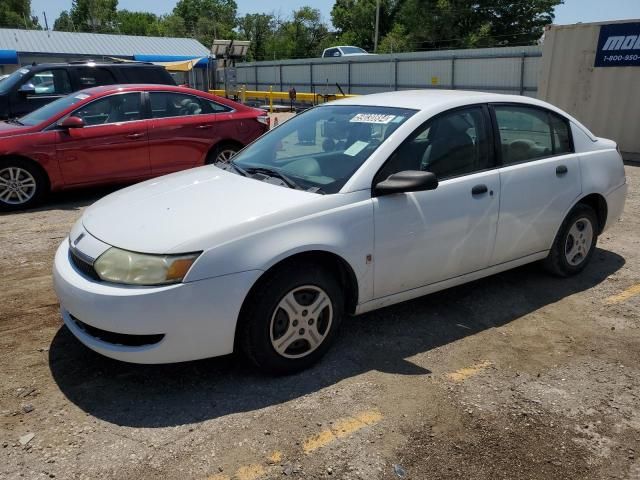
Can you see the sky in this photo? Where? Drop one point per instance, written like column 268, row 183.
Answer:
column 572, row 11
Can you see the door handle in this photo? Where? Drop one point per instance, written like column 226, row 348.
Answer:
column 202, row 127
column 134, row 135
column 479, row 189
column 561, row 170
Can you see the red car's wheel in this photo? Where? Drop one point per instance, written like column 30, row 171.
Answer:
column 22, row 184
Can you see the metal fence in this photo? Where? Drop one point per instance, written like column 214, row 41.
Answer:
column 500, row 70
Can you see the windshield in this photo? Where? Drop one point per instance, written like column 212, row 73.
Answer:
column 8, row 83
column 52, row 109
column 348, row 50
column 322, row 148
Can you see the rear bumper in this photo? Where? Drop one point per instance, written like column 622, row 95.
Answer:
column 175, row 323
column 615, row 204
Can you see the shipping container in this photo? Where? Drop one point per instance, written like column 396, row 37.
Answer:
column 592, row 70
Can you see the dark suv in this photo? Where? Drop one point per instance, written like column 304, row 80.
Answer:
column 31, row 87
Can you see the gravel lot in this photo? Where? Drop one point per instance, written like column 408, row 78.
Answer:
column 520, row 375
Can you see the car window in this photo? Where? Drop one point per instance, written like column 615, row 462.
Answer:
column 124, row 107
column 323, row 147
column 95, row 76
column 144, row 75
column 173, row 104
column 213, row 107
column 351, row 50
column 452, row 144
column 528, row 133
column 50, row 82
column 332, row 52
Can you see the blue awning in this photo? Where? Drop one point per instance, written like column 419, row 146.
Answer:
column 8, row 57
column 171, row 58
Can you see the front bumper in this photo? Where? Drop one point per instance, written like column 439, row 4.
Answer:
column 187, row 321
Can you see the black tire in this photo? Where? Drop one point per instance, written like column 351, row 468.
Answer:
column 557, row 262
column 25, row 170
column 256, row 327
column 212, row 156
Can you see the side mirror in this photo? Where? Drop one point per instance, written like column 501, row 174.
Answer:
column 407, row 181
column 71, row 122
column 27, row 89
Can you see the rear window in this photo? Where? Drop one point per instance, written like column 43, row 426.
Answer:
column 94, row 77
column 147, row 75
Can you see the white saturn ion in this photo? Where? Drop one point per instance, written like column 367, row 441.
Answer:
column 351, row 206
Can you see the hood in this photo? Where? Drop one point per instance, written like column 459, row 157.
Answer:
column 193, row 210
column 11, row 129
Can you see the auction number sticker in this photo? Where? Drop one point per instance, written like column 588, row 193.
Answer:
column 372, row 118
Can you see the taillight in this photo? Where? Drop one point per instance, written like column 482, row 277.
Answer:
column 264, row 119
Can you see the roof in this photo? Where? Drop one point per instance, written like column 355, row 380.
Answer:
column 76, row 43
column 432, row 101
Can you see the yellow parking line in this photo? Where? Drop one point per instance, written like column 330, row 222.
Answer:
column 624, row 295
column 341, row 428
column 464, row 373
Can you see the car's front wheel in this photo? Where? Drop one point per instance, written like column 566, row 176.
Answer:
column 22, row 184
column 575, row 243
column 222, row 154
column 292, row 318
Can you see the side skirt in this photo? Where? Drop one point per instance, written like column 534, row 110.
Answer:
column 451, row 282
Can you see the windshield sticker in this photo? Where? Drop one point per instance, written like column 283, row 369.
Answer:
column 82, row 96
column 355, row 148
column 23, row 71
column 372, row 118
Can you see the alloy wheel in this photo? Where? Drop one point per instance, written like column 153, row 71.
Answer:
column 225, row 155
column 17, row 185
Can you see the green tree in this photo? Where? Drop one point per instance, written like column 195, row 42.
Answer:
column 355, row 21
column 168, row 26
column 135, row 23
column 89, row 16
column 64, row 23
column 17, row 14
column 208, row 19
column 257, row 28
column 481, row 23
column 395, row 41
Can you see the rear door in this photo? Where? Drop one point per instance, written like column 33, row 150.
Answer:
column 182, row 130
column 539, row 178
column 88, row 77
column 113, row 146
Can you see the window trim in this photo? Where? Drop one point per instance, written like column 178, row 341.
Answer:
column 547, row 112
column 199, row 98
column 493, row 160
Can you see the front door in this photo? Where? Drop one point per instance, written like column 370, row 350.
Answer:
column 540, row 179
column 426, row 237
column 113, row 145
column 39, row 89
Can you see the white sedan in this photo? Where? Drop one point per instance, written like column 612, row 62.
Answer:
column 349, row 207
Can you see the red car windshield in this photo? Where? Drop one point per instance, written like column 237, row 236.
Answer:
column 52, row 109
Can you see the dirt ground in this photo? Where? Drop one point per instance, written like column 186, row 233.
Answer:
column 517, row 376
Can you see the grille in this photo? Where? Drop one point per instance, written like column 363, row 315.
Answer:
column 83, row 266
column 118, row 338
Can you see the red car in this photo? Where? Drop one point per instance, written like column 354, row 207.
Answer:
column 114, row 134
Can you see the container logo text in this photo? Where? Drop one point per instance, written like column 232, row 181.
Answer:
column 618, row 45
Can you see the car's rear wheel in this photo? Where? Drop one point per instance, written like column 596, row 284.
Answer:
column 222, row 153
column 575, row 243
column 22, row 184
column 292, row 318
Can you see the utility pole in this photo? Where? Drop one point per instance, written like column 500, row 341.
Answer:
column 375, row 40
column 46, row 24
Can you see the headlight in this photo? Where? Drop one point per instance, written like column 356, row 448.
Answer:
column 120, row 266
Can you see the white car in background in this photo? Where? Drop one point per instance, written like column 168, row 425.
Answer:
column 344, row 51
column 351, row 206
